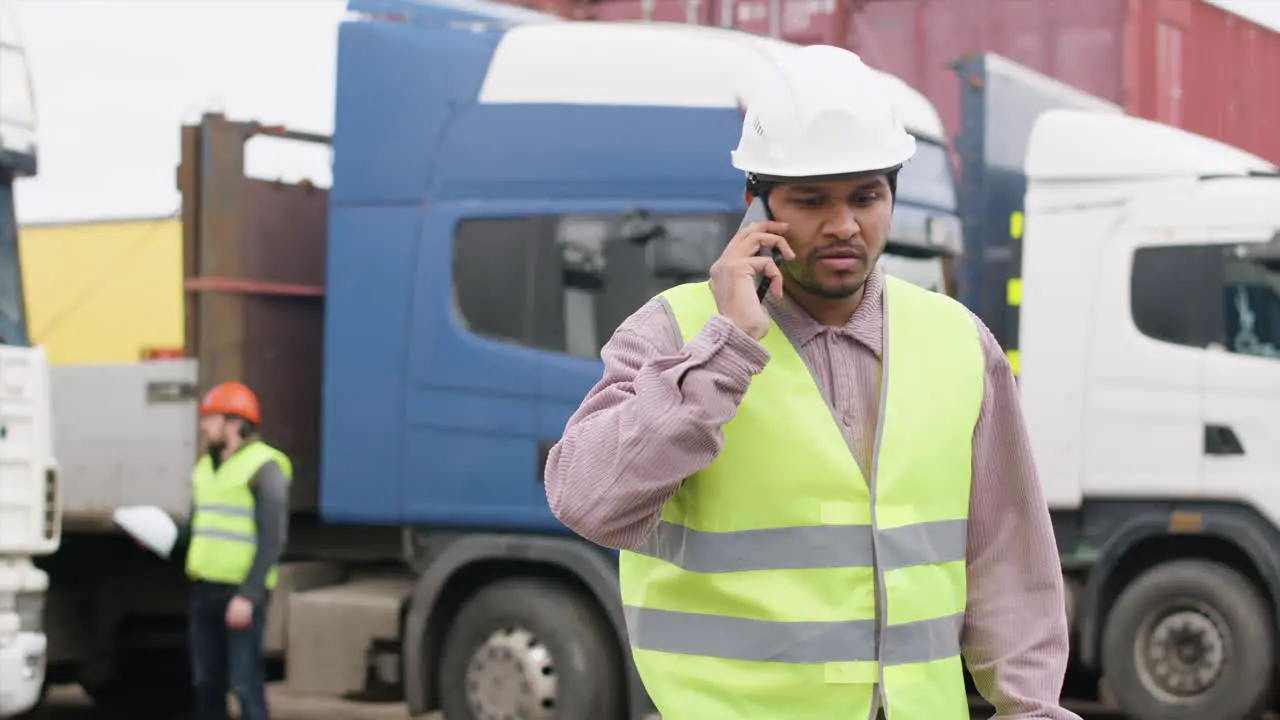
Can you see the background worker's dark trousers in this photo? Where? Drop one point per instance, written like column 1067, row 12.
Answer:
column 223, row 659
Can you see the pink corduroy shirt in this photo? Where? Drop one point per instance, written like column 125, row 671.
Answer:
column 655, row 419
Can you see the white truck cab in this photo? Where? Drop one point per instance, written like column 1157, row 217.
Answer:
column 30, row 520
column 29, row 523
column 1150, row 379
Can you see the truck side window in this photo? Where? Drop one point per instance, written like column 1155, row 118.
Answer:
column 1251, row 304
column 927, row 179
column 492, row 261
column 13, row 315
column 1174, row 294
column 564, row 283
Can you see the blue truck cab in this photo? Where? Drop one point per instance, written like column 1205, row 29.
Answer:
column 507, row 188
column 493, row 172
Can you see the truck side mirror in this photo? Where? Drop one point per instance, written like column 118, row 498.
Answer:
column 1267, row 254
column 639, row 226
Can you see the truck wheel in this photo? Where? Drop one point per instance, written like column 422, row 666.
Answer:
column 1189, row 640
column 530, row 649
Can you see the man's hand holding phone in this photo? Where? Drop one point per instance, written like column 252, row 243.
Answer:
column 735, row 275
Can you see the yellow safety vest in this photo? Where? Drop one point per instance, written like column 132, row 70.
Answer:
column 224, row 533
column 780, row 583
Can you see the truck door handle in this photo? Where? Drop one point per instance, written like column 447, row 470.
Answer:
column 1221, row 440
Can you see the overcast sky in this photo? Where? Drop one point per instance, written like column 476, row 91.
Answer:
column 1263, row 12
column 115, row 80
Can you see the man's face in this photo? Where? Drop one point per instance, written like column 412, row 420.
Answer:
column 215, row 429
column 837, row 228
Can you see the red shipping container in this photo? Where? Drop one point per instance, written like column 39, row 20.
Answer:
column 1182, row 62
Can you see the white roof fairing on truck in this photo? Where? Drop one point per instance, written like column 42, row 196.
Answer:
column 653, row 64
column 1076, row 145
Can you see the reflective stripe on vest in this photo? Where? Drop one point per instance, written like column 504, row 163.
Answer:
column 780, row 583
column 224, row 531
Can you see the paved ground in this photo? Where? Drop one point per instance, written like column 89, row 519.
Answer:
column 70, row 704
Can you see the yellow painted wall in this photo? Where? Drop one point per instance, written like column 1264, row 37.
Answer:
column 103, row 292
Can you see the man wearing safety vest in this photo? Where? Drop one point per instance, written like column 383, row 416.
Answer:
column 237, row 532
column 825, row 500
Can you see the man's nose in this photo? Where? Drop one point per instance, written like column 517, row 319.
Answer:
column 843, row 222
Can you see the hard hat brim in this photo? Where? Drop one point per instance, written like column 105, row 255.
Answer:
column 824, row 178
column 887, row 158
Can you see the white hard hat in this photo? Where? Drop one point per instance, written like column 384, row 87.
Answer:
column 823, row 112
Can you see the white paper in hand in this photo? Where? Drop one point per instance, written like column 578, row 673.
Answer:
column 150, row 526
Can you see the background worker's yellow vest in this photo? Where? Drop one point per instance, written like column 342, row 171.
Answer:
column 780, row 583
column 224, row 534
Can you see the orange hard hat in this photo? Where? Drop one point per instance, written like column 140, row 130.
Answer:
column 231, row 398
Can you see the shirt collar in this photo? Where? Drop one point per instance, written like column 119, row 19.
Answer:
column 864, row 326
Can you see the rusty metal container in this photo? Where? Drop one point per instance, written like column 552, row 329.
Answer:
column 254, row 269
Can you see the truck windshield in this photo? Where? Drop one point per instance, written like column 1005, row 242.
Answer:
column 926, row 179
column 925, row 225
column 1251, row 289
column 13, row 325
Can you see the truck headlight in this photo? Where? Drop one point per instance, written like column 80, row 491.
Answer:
column 30, row 610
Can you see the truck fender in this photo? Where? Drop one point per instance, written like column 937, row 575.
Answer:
column 585, row 562
column 1237, row 525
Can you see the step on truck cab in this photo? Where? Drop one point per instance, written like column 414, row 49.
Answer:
column 29, row 512
column 1150, row 373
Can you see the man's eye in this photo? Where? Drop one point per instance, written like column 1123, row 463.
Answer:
column 868, row 198
column 810, row 202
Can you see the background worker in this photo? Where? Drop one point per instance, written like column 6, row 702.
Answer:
column 234, row 540
column 825, row 500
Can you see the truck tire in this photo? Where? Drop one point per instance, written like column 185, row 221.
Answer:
column 1190, row 640
column 532, row 649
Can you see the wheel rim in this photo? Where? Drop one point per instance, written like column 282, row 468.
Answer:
column 1182, row 651
column 511, row 676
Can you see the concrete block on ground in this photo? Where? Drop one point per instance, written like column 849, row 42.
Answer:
column 331, row 630
column 295, row 577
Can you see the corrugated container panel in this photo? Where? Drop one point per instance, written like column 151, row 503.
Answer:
column 1079, row 42
column 1183, row 62
column 1199, row 67
column 807, row 22
column 656, row 11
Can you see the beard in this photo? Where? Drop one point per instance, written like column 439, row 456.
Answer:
column 798, row 272
column 837, row 293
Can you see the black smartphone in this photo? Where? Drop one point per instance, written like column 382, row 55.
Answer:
column 757, row 212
